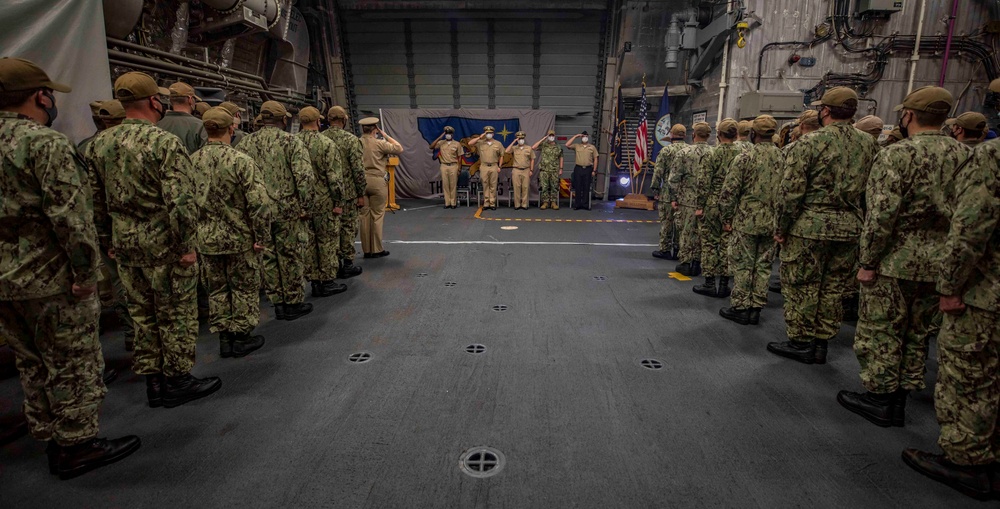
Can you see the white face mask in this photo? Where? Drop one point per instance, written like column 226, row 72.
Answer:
column 489, row 136
column 586, row 139
column 552, row 138
column 520, row 142
column 447, row 136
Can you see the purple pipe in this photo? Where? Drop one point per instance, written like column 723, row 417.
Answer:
column 947, row 44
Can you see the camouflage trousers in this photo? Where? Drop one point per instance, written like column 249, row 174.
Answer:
column 119, row 300
column 815, row 274
column 896, row 319
column 750, row 259
column 60, row 362
column 967, row 393
column 350, row 222
column 548, row 186
column 284, row 262
column 687, row 226
column 163, row 302
column 322, row 262
column 668, row 228
column 714, row 244
column 233, row 284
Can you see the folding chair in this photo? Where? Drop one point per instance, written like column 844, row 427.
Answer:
column 464, row 187
column 590, row 196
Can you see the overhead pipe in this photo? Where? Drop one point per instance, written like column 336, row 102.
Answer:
column 947, row 45
column 192, row 61
column 916, row 46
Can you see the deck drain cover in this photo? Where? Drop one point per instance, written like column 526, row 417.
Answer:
column 450, row 283
column 501, row 307
column 422, row 274
column 600, row 278
column 651, row 364
column 482, row 462
column 360, row 357
column 475, row 348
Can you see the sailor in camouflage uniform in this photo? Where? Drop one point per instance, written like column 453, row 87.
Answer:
column 715, row 241
column 909, row 196
column 969, row 128
column 669, row 238
column 818, row 222
column 327, row 206
column 355, row 184
column 682, row 183
column 747, row 208
column 237, row 113
column 48, row 276
column 743, row 129
column 288, row 176
column 967, row 393
column 146, row 207
column 550, row 168
column 235, row 227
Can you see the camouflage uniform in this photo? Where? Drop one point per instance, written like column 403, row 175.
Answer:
column 321, row 260
column 187, row 127
column 47, row 244
column 818, row 211
column 909, row 195
column 714, row 241
column 747, row 204
column 668, row 228
column 548, row 176
column 236, row 215
column 287, row 173
column 146, row 207
column 682, row 183
column 355, row 184
column 967, row 393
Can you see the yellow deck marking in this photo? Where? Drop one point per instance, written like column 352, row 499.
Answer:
column 479, row 215
column 678, row 276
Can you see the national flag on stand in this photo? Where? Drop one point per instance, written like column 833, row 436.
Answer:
column 620, row 132
column 662, row 130
column 641, row 132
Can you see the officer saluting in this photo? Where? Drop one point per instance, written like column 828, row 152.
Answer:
column 490, row 155
column 450, row 157
column 375, row 157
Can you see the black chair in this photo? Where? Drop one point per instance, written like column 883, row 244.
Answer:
column 465, row 187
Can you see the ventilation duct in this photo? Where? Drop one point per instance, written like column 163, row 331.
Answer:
column 681, row 34
column 292, row 67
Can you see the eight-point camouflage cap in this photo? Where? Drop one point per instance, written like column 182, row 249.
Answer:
column 273, row 109
column 765, row 125
column 837, row 97
column 111, row 110
column 929, row 99
column 971, row 120
column 217, row 118
column 232, row 108
column 309, row 114
column 181, row 89
column 368, row 121
column 701, row 129
column 336, row 112
column 133, row 86
column 17, row 74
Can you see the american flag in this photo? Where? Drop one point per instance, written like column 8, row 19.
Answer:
column 640, row 135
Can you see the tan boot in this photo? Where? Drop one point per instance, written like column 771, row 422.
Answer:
column 555, row 205
column 544, row 206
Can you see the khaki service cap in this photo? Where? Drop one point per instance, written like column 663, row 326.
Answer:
column 18, row 74
column 552, row 132
column 488, row 129
column 809, row 118
column 744, row 127
column 449, row 129
column 273, row 109
column 837, row 97
column 232, row 108
column 764, row 125
column 519, row 135
column 870, row 124
column 729, row 127
column 701, row 129
column 181, row 89
column 133, row 86
column 368, row 121
column 678, row 130
column 929, row 99
column 111, row 110
column 217, row 118
column 309, row 114
column 971, row 120
column 336, row 112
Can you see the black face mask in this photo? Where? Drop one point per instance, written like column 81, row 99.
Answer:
column 162, row 110
column 903, row 128
column 52, row 111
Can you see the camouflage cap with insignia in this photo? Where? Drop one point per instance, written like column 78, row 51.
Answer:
column 838, row 97
column 272, row 110
column 232, row 108
column 971, row 120
column 929, row 99
column 135, row 85
column 111, row 110
column 336, row 112
column 488, row 129
column 217, row 118
column 764, row 125
column 678, row 130
column 368, row 121
column 181, row 89
column 309, row 114
column 18, row 74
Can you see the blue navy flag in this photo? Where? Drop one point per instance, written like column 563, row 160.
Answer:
column 619, row 135
column 662, row 131
column 431, row 128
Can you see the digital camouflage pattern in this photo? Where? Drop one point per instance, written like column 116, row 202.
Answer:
column 351, row 153
column 163, row 302
column 714, row 241
column 146, row 203
column 237, row 211
column 682, row 184
column 746, row 201
column 825, row 174
column 815, row 275
column 548, row 177
column 750, row 260
column 233, row 285
column 669, row 240
column 187, row 127
column 286, row 171
column 47, row 236
column 910, row 192
column 322, row 262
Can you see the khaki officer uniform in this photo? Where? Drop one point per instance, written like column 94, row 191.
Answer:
column 450, row 157
column 184, row 125
column 524, row 161
column 490, row 156
column 375, row 157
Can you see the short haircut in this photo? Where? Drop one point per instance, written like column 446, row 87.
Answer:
column 216, row 133
column 16, row 97
column 928, row 119
column 179, row 100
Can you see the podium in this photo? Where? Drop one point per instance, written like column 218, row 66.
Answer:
column 391, row 168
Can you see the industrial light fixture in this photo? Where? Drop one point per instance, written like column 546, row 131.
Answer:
column 624, row 181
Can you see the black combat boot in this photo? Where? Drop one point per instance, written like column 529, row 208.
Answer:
column 244, row 343
column 706, row 288
column 110, row 375
column 851, row 308
column 973, row 481
column 740, row 316
column 899, row 409
column 663, row 255
column 683, row 269
column 185, row 388
column 724, row 290
column 279, row 311
column 754, row 316
column 332, row 287
column 877, row 408
column 52, row 454
column 802, row 351
column 225, row 344
column 76, row 460
column 154, row 390
column 695, row 269
column 348, row 269
column 296, row 311
column 319, row 289
column 822, row 345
